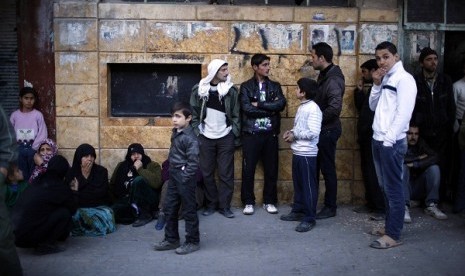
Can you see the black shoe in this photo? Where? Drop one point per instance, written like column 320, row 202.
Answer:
column 165, row 245
column 47, row 248
column 142, row 220
column 326, row 213
column 305, row 226
column 226, row 212
column 208, row 211
column 362, row 209
column 292, row 216
column 187, row 247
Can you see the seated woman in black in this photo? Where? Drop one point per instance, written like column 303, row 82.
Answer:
column 136, row 184
column 89, row 182
column 42, row 215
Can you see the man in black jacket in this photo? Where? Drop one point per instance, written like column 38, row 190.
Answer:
column 261, row 101
column 435, row 112
column 421, row 175
column 329, row 99
column 373, row 194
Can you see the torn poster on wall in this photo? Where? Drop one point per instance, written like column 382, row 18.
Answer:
column 373, row 34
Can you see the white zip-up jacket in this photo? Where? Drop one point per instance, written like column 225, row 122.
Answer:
column 393, row 102
column 307, row 127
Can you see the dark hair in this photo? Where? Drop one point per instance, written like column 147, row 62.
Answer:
column 370, row 64
column 257, row 59
column 184, row 107
column 309, row 86
column 388, row 46
column 27, row 90
column 323, row 49
column 426, row 52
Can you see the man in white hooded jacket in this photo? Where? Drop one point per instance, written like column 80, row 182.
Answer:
column 393, row 99
column 216, row 121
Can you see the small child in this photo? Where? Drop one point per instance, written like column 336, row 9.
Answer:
column 15, row 185
column 30, row 129
column 184, row 163
column 304, row 138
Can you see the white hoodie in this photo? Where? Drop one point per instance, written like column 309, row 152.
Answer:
column 393, row 102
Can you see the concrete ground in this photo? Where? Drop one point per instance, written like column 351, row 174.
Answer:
column 262, row 244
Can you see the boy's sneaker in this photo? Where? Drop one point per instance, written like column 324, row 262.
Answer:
column 161, row 221
column 270, row 208
column 187, row 247
column 407, row 218
column 248, row 210
column 166, row 245
column 433, row 211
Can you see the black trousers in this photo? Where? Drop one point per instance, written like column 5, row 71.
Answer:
column 255, row 147
column 56, row 228
column 182, row 191
column 218, row 154
column 373, row 194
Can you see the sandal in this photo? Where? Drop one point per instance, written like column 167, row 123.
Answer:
column 377, row 232
column 385, row 242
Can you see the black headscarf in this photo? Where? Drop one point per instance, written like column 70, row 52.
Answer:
column 120, row 189
column 81, row 151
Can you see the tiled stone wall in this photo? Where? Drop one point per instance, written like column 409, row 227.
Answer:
column 89, row 35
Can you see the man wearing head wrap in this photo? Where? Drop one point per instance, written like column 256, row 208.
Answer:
column 136, row 186
column 434, row 112
column 216, row 121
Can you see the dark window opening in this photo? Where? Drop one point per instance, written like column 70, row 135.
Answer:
column 147, row 90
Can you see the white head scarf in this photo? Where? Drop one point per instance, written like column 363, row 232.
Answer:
column 204, row 84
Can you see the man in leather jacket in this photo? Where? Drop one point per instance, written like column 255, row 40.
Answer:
column 261, row 101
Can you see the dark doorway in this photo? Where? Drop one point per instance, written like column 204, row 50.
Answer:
column 454, row 54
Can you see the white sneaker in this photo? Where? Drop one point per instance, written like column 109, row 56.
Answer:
column 407, row 218
column 270, row 208
column 248, row 210
column 433, row 211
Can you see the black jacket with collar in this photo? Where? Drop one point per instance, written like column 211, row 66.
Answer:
column 331, row 86
column 184, row 153
column 271, row 107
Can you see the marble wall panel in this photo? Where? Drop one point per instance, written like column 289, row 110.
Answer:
column 75, row 9
column 244, row 13
column 347, row 140
column 349, row 68
column 344, row 191
column 285, row 165
column 348, row 106
column 121, row 137
column 76, row 100
column 76, row 67
column 251, row 37
column 325, row 14
column 160, row 12
column 380, row 15
column 73, row 131
column 357, row 166
column 182, row 37
column 122, row 35
column 358, row 193
column 344, row 164
column 75, row 34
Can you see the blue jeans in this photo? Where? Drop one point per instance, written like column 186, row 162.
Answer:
column 326, row 162
column 388, row 165
column 424, row 184
column 26, row 160
column 305, row 186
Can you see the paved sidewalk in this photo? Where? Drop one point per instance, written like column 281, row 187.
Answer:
column 262, row 244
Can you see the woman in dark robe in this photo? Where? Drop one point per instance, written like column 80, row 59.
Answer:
column 89, row 182
column 42, row 215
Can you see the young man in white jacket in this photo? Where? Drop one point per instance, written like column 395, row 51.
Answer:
column 393, row 99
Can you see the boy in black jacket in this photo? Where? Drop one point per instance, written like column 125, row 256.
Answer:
column 184, row 162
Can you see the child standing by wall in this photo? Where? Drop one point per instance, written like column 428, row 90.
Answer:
column 30, row 129
column 304, row 138
column 184, row 162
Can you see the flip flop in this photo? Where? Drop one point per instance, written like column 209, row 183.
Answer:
column 385, row 242
column 377, row 232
